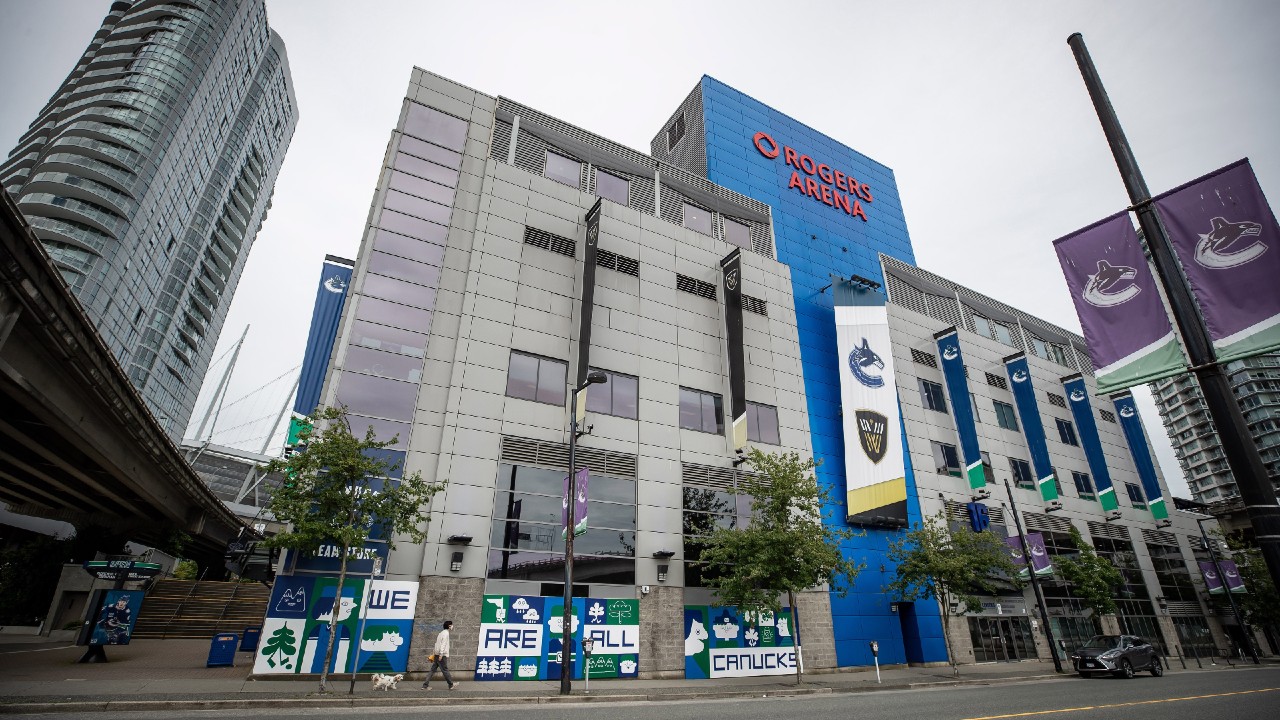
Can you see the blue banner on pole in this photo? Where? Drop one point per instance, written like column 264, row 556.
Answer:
column 961, row 406
column 1132, row 426
column 331, row 293
column 1087, row 428
column 1024, row 395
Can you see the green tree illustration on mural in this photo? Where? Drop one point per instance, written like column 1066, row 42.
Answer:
column 280, row 646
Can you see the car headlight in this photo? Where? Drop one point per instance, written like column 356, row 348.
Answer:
column 1110, row 655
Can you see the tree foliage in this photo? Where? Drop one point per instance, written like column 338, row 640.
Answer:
column 1094, row 579
column 29, row 573
column 786, row 546
column 336, row 491
column 1260, row 604
column 935, row 562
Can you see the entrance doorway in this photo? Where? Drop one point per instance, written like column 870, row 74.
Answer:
column 1001, row 639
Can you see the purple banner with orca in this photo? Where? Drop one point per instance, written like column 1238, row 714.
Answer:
column 1228, row 242
column 1039, row 556
column 1125, row 323
column 1214, row 584
column 579, row 504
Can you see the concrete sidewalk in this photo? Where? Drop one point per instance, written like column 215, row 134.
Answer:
column 171, row 674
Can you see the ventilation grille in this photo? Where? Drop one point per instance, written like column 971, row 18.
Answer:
column 1159, row 537
column 946, row 309
column 1105, row 530
column 1046, row 523
column 959, row 512
column 997, row 381
column 900, row 293
column 525, row 451
column 501, row 141
column 719, row 478
column 547, row 241
column 755, row 305
column 1184, row 608
column 1107, row 415
column 686, row 284
column 921, row 357
column 1056, row 399
column 621, row 263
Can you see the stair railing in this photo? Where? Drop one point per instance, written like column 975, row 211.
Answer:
column 165, row 631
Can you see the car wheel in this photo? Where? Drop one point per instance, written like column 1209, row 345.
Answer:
column 1126, row 669
column 1085, row 674
column 1157, row 669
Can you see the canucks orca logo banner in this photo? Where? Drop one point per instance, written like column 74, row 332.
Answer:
column 1024, row 396
column 1132, row 426
column 961, row 405
column 1087, row 427
column 875, row 470
column 1125, row 324
column 331, row 293
column 1226, row 236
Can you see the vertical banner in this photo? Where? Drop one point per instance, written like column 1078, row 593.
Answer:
column 1231, row 576
column 1125, row 323
column 1226, row 237
column 961, row 405
column 732, row 267
column 588, row 306
column 724, row 642
column 1024, row 395
column 1212, row 582
column 875, row 472
column 579, row 495
column 1040, row 562
column 331, row 293
column 1132, row 426
column 1087, row 427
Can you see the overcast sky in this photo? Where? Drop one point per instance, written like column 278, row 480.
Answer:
column 977, row 106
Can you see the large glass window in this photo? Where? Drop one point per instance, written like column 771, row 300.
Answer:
column 1021, row 471
column 381, row 337
column 418, row 187
column 1172, row 573
column 1084, row 485
column 377, row 397
column 540, row 379
column 945, row 459
column 405, row 225
column 1135, row 495
column 401, row 269
column 426, row 169
column 407, row 247
column 393, row 314
column 762, row 424
column 1005, row 415
column 932, row 396
column 1067, row 432
column 428, row 151
column 563, row 169
column 399, row 291
column 697, row 219
column 737, row 233
column 383, row 364
column 988, row 472
column 612, row 187
column 432, row 125
column 706, row 510
column 701, row 411
column 417, row 207
column 619, row 396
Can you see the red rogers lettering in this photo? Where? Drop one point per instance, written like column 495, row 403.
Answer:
column 803, row 179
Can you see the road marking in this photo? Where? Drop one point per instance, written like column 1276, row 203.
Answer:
column 1124, row 704
column 17, row 652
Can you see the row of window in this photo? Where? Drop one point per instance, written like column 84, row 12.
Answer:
column 946, row 460
column 545, row 380
column 933, row 398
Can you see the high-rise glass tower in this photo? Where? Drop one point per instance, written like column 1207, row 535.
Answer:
column 149, row 173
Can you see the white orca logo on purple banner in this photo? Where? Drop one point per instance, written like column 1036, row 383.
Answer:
column 1106, row 288
column 1215, row 252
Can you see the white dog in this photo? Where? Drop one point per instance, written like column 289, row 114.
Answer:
column 386, row 682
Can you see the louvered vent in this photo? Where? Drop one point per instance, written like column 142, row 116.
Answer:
column 1056, row 399
column 525, row 451
column 997, row 381
column 1105, row 530
column 1159, row 537
column 1107, row 415
column 959, row 512
column 921, row 357
column 755, row 305
column 548, row 241
column 621, row 263
column 1184, row 607
column 501, row 141
column 686, row 284
column 1046, row 523
column 719, row 478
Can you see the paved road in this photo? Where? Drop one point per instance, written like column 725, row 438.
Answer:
column 1244, row 693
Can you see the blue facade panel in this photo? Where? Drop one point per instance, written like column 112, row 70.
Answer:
column 817, row 234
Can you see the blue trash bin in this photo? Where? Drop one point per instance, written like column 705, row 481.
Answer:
column 249, row 641
column 222, row 650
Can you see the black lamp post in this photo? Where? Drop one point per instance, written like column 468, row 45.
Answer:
column 1035, row 581
column 1235, row 609
column 566, row 630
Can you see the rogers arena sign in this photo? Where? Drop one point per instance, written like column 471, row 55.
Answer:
column 833, row 182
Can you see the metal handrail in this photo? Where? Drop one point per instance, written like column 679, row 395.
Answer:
column 165, row 631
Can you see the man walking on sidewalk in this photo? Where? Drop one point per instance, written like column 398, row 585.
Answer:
column 440, row 658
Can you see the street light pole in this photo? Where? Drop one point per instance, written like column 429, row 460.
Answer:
column 566, row 629
column 364, row 616
column 1235, row 609
column 1035, row 581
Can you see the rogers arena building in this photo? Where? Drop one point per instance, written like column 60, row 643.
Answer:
column 508, row 252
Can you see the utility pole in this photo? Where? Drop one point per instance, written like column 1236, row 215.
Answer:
column 1035, row 581
column 579, row 400
column 1235, row 609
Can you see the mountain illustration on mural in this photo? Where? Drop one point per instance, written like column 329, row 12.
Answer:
column 282, row 645
column 379, row 641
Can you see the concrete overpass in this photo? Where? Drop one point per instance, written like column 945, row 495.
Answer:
column 77, row 442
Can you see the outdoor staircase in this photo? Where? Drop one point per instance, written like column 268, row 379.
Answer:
column 200, row 609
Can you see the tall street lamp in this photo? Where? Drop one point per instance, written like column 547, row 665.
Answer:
column 566, row 629
column 1035, row 581
column 1235, row 609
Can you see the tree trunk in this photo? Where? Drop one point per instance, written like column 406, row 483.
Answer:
column 333, row 619
column 946, row 633
column 795, row 627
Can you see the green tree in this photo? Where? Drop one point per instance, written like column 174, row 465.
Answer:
column 785, row 547
column 1094, row 580
column 1260, row 604
column 29, row 573
column 935, row 562
column 335, row 493
column 186, row 570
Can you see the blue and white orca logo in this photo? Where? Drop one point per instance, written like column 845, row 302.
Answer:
column 335, row 284
column 1019, row 376
column 1127, row 411
column 1077, row 395
column 1215, row 249
column 1108, row 288
column 950, row 352
column 861, row 362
